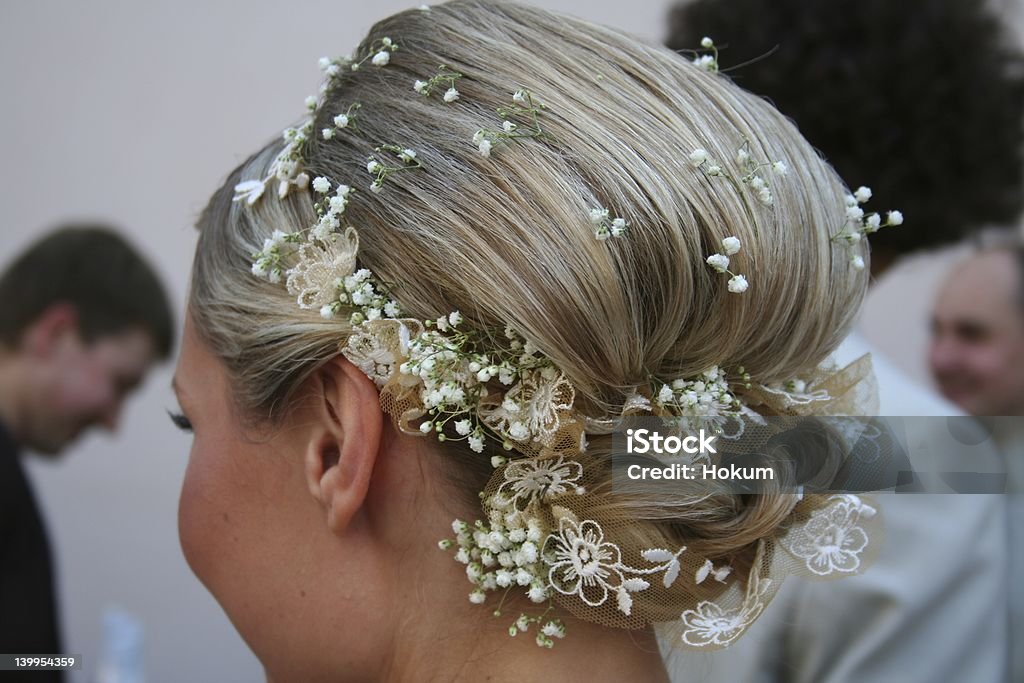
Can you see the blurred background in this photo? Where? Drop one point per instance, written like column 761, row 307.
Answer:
column 132, row 113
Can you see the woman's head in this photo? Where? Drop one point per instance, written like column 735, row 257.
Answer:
column 507, row 239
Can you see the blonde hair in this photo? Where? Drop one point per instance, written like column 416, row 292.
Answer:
column 508, row 239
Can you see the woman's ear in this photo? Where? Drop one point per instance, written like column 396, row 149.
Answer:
column 345, row 441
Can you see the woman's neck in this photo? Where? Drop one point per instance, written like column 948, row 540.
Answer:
column 478, row 647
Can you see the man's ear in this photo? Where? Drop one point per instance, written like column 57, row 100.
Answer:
column 49, row 328
column 343, row 447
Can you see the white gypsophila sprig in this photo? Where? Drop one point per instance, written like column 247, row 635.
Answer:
column 503, row 555
column 270, row 263
column 332, row 68
column 720, row 262
column 520, row 120
column 455, row 386
column 857, row 224
column 341, row 122
column 408, row 158
column 708, row 62
column 379, row 54
column 444, row 76
column 605, row 226
column 752, row 173
column 707, row 395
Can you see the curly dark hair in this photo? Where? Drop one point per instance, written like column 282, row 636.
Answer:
column 922, row 100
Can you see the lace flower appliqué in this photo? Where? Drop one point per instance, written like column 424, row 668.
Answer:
column 583, row 564
column 711, row 625
column 542, row 480
column 831, row 541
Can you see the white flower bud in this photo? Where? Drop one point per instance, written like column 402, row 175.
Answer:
column 731, row 245
column 698, row 156
column 706, row 42
column 738, row 284
column 719, row 262
column 381, row 58
column 894, row 218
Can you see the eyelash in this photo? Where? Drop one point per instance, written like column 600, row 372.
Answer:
column 180, row 421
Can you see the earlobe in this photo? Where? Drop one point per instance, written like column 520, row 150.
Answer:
column 344, row 445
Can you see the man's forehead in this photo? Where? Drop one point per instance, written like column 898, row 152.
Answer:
column 985, row 279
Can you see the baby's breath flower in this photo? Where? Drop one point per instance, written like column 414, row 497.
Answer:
column 731, row 245
column 485, row 148
column 698, row 156
column 738, row 284
column 381, row 58
column 451, row 94
column 321, row 185
column 719, row 262
column 862, row 194
column 894, row 218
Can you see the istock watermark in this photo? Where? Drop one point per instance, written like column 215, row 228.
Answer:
column 752, row 455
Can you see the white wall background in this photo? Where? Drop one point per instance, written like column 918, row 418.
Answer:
column 134, row 112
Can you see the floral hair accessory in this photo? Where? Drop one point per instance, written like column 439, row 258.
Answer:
column 720, row 262
column 379, row 55
column 859, row 225
column 708, row 62
column 444, row 76
column 751, row 172
column 341, row 122
column 501, row 395
column 606, row 226
column 381, row 170
column 523, row 109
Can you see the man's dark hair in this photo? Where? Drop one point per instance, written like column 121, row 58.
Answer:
column 94, row 269
column 922, row 100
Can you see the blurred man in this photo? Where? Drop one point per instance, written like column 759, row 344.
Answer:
column 891, row 98
column 977, row 351
column 82, row 319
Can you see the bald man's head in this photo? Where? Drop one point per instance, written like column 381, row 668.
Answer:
column 977, row 348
